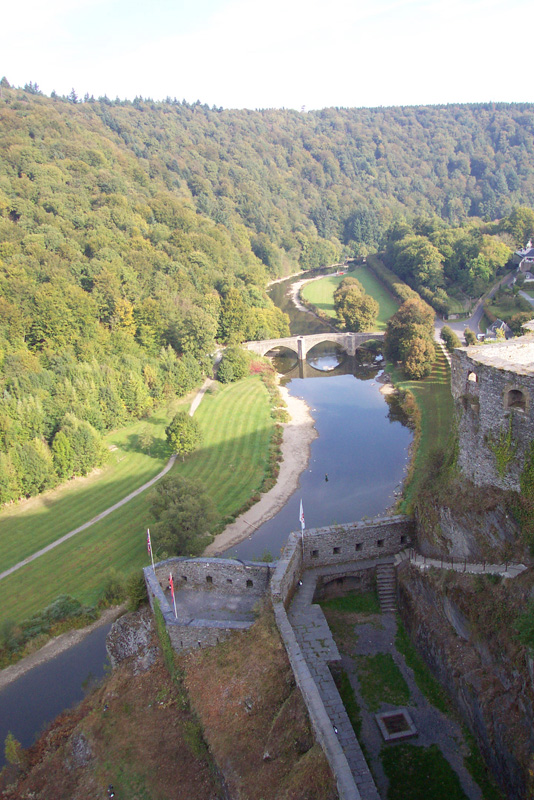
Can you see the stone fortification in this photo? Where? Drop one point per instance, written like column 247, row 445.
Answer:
column 368, row 539
column 493, row 390
column 214, row 597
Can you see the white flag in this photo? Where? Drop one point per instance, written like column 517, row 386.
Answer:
column 301, row 516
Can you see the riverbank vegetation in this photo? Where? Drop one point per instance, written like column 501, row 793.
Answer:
column 429, row 404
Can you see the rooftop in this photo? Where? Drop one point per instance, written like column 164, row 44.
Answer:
column 515, row 355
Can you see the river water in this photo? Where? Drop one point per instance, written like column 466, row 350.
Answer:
column 362, row 448
column 31, row 702
column 359, row 459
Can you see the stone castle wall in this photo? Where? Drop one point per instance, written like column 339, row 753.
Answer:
column 376, row 538
column 493, row 390
column 225, row 576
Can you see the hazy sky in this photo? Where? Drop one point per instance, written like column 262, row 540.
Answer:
column 284, row 53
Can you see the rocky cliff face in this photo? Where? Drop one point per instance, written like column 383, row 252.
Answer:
column 487, row 674
column 466, row 522
column 131, row 636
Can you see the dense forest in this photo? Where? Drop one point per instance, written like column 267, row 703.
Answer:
column 134, row 236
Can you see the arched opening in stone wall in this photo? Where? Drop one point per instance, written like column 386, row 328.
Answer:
column 515, row 398
column 473, row 377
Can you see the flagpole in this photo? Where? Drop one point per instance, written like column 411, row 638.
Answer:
column 171, row 585
column 301, row 518
column 149, row 545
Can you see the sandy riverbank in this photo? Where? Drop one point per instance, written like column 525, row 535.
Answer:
column 56, row 646
column 299, row 433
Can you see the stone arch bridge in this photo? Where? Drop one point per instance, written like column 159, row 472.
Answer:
column 301, row 345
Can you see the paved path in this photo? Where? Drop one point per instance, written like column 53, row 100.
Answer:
column 83, row 527
column 509, row 569
column 194, row 405
column 318, row 648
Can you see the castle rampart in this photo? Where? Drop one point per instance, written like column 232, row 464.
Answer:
column 493, row 389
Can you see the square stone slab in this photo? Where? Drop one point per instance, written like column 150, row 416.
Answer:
column 395, row 725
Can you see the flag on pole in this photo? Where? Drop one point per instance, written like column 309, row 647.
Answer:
column 301, row 516
column 171, row 586
column 149, row 548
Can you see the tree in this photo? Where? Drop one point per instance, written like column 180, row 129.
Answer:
column 234, row 365
column 450, row 338
column 13, row 750
column 184, row 515
column 183, row 434
column 414, row 318
column 357, row 311
column 419, row 358
column 469, row 336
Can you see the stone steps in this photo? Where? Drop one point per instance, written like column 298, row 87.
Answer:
column 386, row 581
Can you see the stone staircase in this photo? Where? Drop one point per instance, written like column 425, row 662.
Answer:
column 386, row 584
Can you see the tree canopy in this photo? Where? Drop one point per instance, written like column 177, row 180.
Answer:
column 184, row 515
column 183, row 434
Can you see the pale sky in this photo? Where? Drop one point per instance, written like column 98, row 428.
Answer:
column 283, row 54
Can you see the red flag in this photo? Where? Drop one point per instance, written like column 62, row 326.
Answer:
column 148, row 544
column 171, row 585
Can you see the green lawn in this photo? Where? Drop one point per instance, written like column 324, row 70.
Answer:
column 231, row 462
column 381, row 681
column 32, row 524
column 433, row 397
column 358, row 602
column 419, row 773
column 321, row 294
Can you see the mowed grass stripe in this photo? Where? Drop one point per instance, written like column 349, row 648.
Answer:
column 434, row 399
column 236, row 426
column 32, row 524
column 321, row 294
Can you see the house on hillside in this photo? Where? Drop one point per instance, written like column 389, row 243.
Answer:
column 498, row 325
column 524, row 258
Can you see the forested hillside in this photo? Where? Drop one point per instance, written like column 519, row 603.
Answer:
column 133, row 236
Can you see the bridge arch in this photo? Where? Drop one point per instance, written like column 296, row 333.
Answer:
column 302, row 344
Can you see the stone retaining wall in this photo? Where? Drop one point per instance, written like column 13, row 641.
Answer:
column 224, row 574
column 375, row 538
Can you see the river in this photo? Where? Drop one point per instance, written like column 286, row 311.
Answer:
column 359, row 458
column 362, row 449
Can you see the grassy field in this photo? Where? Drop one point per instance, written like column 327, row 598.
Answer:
column 30, row 525
column 236, row 426
column 321, row 294
column 434, row 400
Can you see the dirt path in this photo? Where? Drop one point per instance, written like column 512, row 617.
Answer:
column 299, row 433
column 56, row 646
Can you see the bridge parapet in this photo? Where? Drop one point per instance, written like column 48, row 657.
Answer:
column 301, row 345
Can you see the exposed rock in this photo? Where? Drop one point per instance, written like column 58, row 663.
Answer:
column 81, row 752
column 493, row 696
column 131, row 637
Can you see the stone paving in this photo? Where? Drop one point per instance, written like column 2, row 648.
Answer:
column 433, row 727
column 318, row 647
